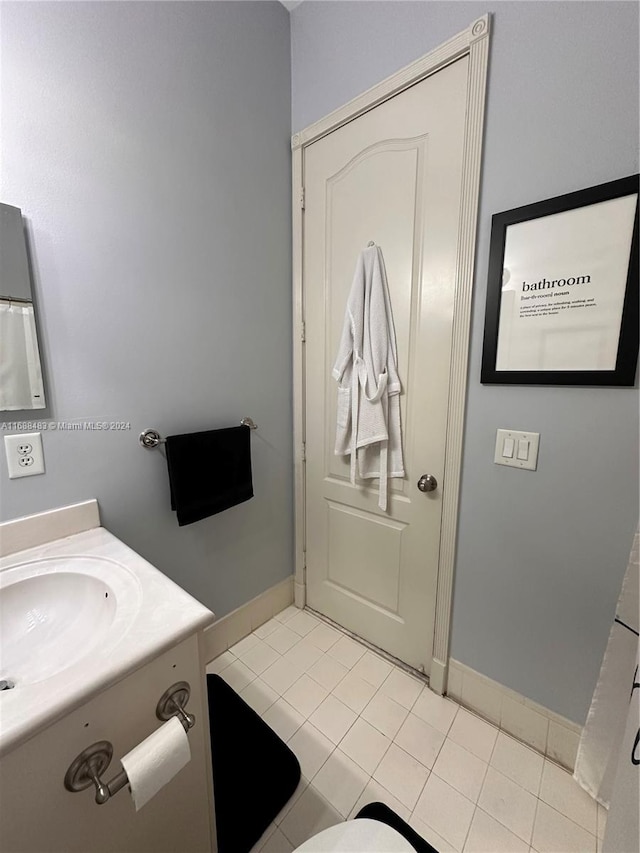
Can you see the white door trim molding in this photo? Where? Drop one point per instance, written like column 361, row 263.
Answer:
column 474, row 43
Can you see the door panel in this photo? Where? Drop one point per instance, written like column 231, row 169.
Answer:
column 392, row 176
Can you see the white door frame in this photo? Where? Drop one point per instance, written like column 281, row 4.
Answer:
column 474, row 43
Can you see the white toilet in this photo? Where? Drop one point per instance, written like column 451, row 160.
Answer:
column 357, row 836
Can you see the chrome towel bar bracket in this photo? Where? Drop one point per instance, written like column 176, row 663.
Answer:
column 87, row 768
column 151, row 438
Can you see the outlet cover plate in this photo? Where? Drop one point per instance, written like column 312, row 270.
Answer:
column 532, row 439
column 24, row 453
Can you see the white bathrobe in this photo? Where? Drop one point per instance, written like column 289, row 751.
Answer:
column 366, row 368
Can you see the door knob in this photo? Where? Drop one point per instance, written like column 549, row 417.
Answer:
column 427, row 483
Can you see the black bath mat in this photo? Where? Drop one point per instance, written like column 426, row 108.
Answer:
column 254, row 772
column 378, row 811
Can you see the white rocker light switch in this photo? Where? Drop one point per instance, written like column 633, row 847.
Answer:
column 517, row 449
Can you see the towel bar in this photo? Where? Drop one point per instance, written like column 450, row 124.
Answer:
column 151, row 438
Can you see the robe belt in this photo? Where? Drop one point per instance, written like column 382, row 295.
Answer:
column 359, row 380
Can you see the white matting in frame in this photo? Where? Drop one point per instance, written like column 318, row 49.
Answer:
column 563, row 288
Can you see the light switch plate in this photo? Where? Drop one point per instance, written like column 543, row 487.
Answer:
column 529, row 464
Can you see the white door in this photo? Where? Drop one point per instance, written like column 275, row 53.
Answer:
column 392, row 176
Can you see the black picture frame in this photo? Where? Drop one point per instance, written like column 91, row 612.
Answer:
column 624, row 373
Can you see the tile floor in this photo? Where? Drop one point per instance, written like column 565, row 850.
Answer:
column 363, row 731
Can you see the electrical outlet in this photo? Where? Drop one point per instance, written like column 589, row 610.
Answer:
column 24, row 455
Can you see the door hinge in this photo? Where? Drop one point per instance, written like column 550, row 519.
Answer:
column 302, row 197
column 304, row 559
column 304, row 451
column 303, row 331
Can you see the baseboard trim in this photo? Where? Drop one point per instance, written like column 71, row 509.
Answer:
column 230, row 629
column 547, row 732
column 438, row 676
column 299, row 594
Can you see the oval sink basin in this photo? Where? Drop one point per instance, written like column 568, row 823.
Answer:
column 54, row 612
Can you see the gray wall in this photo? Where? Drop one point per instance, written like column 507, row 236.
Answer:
column 541, row 555
column 147, row 145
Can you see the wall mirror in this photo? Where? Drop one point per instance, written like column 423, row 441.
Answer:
column 21, row 385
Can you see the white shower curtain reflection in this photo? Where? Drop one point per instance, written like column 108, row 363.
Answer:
column 20, row 372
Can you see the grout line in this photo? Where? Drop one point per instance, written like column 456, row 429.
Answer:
column 473, row 814
column 535, row 818
column 421, row 676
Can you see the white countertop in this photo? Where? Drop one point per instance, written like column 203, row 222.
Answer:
column 154, row 614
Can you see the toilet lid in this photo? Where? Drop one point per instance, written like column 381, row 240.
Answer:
column 357, row 836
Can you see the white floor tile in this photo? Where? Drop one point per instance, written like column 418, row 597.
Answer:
column 385, row 714
column 281, row 675
column 515, row 760
column 461, row 769
column 603, row 814
column 327, row 672
column 508, row 803
column 284, row 669
column 305, row 695
column 372, row 668
column 277, row 843
column 347, row 652
column 311, row 748
column 364, row 745
column 420, row 740
column 324, row 636
column 430, row 835
column 402, row 688
column 555, row 833
column 435, row 710
column 216, row 666
column 267, row 628
column 402, row 775
column 303, row 784
column 304, row 654
column 487, row 835
column 376, row 793
column 259, row 657
column 243, row 645
column 310, row 815
column 473, row 734
column 302, row 623
column 283, row 719
column 259, row 695
column 266, row 835
column 333, row 719
column 282, row 639
column 341, row 782
column 237, row 675
column 560, row 790
column 354, row 691
column 288, row 613
column 445, row 810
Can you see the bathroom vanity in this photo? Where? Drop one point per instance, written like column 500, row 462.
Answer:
column 93, row 636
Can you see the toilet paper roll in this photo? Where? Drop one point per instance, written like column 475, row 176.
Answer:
column 156, row 760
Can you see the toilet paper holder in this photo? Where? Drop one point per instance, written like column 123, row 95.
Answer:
column 89, row 766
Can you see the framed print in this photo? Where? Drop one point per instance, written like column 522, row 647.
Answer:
column 562, row 292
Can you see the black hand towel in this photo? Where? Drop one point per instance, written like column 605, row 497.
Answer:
column 209, row 472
